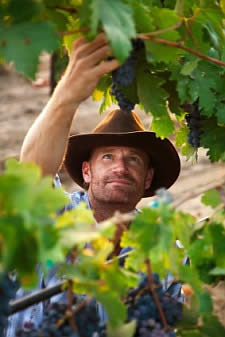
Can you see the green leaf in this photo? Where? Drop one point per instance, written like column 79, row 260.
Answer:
column 142, row 17
column 29, row 40
column 163, row 19
column 213, row 139
column 107, row 100
column 206, row 305
column 212, row 327
column 117, row 21
column 153, row 97
column 126, row 330
column 115, row 309
column 191, row 333
column 181, row 140
column 189, row 66
column 163, row 127
column 220, row 113
column 211, row 198
column 30, row 9
column 217, row 234
column 190, row 276
column 217, row 271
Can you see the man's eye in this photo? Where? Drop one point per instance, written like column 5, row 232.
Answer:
column 134, row 159
column 107, row 156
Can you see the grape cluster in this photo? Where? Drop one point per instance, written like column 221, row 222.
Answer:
column 194, row 123
column 125, row 76
column 150, row 328
column 87, row 322
column 142, row 307
column 8, row 288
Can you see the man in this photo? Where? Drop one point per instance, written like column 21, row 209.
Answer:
column 119, row 162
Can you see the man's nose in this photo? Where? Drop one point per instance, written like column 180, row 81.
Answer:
column 120, row 166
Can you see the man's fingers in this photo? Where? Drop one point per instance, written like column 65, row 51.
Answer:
column 105, row 67
column 82, row 47
column 96, row 57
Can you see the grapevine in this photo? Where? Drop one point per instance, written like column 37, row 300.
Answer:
column 181, row 64
column 182, row 58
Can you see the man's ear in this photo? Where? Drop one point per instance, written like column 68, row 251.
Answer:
column 86, row 171
column 149, row 177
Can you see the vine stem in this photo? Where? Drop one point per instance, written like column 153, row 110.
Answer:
column 122, row 222
column 69, row 305
column 154, row 294
column 71, row 313
column 180, row 45
column 66, row 9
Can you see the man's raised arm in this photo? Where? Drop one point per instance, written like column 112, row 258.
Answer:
column 46, row 140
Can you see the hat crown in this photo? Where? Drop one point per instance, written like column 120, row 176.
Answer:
column 120, row 121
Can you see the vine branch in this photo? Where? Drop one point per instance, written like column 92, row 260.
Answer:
column 180, row 45
column 69, row 305
column 154, row 294
column 66, row 9
column 165, row 30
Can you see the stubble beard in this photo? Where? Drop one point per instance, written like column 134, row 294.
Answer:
column 118, row 196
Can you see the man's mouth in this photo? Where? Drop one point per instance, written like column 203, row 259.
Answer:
column 120, row 181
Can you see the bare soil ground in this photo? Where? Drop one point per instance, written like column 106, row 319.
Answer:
column 21, row 102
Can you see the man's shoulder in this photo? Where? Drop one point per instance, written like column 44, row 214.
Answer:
column 74, row 197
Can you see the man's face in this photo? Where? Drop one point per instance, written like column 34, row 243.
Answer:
column 117, row 174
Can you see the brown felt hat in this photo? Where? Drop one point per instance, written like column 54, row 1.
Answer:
column 125, row 129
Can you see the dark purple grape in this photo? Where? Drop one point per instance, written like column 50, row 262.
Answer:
column 125, row 76
column 194, row 122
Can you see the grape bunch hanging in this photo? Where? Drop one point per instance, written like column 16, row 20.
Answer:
column 8, row 288
column 125, row 76
column 140, row 306
column 194, row 123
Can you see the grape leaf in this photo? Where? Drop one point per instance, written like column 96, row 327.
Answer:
column 218, row 241
column 115, row 309
column 30, row 9
column 212, row 327
column 211, row 198
column 153, row 97
column 217, row 271
column 142, row 17
column 126, row 330
column 220, row 112
column 68, row 40
column 206, row 305
column 117, row 21
column 214, row 16
column 213, row 139
column 29, row 40
column 189, row 66
column 163, row 126
column 163, row 19
column 189, row 275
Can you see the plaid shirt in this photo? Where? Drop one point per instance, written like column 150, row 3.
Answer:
column 32, row 316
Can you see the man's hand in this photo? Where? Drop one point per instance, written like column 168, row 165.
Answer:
column 86, row 66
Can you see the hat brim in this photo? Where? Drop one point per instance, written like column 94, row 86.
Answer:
column 163, row 155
